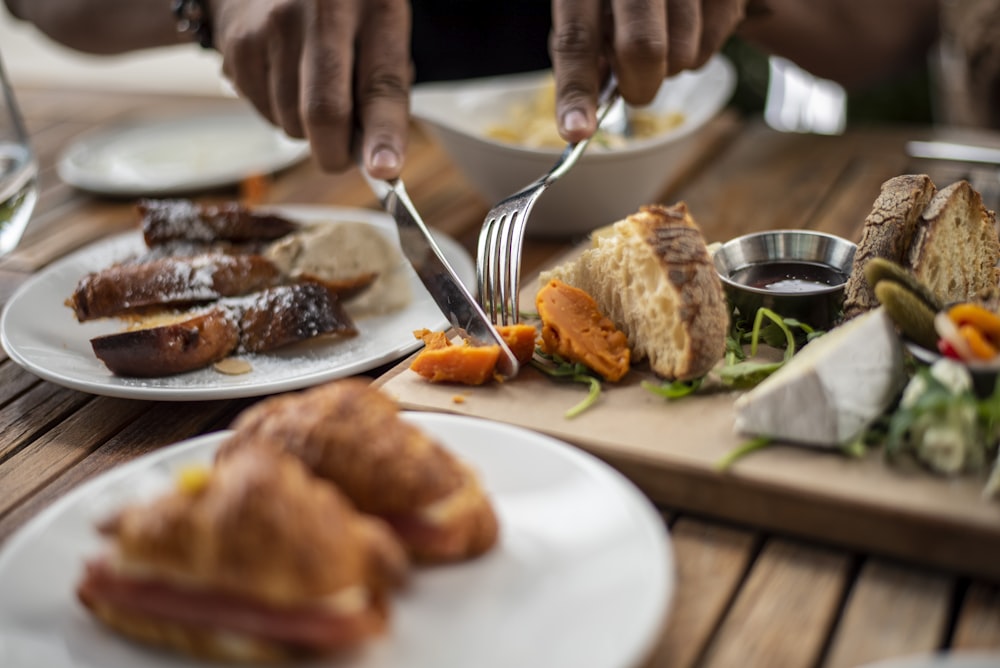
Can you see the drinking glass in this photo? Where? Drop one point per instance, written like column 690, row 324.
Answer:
column 18, row 170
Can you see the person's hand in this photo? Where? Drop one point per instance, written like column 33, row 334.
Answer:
column 320, row 69
column 642, row 41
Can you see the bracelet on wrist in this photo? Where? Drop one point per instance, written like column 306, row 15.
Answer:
column 193, row 21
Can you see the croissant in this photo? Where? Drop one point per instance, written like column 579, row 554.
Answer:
column 255, row 559
column 351, row 434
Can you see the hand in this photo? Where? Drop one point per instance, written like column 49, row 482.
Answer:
column 319, row 69
column 642, row 41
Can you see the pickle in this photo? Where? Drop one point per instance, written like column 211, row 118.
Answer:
column 911, row 314
column 880, row 269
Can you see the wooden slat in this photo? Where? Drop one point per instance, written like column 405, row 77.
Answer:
column 784, row 612
column 978, row 623
column 49, row 456
column 892, row 610
column 162, row 424
column 33, row 413
column 711, row 562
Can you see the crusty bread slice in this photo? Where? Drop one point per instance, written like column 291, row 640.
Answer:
column 955, row 248
column 651, row 273
column 887, row 233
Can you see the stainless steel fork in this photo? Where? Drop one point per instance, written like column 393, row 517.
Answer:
column 498, row 265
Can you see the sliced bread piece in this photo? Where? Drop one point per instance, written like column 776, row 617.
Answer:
column 955, row 249
column 887, row 233
column 652, row 275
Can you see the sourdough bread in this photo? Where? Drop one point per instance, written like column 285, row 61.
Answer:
column 652, row 275
column 955, row 249
column 887, row 233
column 947, row 239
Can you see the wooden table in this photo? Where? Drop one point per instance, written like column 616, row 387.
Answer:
column 745, row 597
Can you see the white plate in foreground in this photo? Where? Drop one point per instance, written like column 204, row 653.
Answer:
column 41, row 334
column 163, row 156
column 582, row 575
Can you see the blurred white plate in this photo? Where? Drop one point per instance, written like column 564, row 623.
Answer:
column 167, row 156
column 957, row 659
column 582, row 576
column 40, row 333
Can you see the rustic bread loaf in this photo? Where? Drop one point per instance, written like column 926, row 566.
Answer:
column 652, row 275
column 887, row 233
column 955, row 248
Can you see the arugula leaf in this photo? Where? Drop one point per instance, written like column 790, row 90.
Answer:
column 673, row 389
column 556, row 367
column 751, row 446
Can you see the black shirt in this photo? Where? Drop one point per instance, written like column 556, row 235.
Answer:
column 461, row 39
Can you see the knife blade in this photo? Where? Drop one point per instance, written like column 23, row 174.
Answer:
column 445, row 287
column 953, row 151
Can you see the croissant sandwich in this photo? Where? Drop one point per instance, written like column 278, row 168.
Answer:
column 253, row 560
column 351, row 434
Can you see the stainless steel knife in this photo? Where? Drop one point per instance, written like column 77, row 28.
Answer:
column 953, row 151
column 441, row 281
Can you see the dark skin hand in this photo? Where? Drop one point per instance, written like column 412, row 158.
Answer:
column 319, row 69
column 316, row 68
column 642, row 41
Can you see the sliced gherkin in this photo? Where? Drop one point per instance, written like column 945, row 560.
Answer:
column 879, row 269
column 910, row 313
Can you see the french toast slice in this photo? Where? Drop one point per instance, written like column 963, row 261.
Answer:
column 173, row 281
column 168, row 345
column 286, row 314
column 165, row 220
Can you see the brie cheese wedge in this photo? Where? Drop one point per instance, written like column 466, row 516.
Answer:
column 831, row 390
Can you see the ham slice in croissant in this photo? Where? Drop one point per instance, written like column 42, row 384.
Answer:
column 257, row 560
column 351, row 434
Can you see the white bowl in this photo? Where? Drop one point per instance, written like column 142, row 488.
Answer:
column 606, row 184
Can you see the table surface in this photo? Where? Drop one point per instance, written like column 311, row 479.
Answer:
column 745, row 596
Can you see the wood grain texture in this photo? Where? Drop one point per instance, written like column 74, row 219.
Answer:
column 978, row 623
column 785, row 610
column 712, row 560
column 908, row 607
column 162, row 425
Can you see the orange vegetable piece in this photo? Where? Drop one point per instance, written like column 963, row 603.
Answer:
column 979, row 344
column 521, row 339
column 983, row 319
column 443, row 362
column 574, row 328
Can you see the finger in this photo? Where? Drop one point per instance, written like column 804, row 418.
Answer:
column 383, row 85
column 684, row 26
column 284, row 48
column 326, row 92
column 639, row 48
column 576, row 46
column 721, row 18
column 245, row 63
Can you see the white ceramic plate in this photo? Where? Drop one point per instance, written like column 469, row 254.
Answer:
column 582, row 576
column 164, row 156
column 41, row 334
column 958, row 659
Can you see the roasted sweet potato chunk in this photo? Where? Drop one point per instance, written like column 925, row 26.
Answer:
column 574, row 328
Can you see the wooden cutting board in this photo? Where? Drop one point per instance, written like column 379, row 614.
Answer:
column 671, row 449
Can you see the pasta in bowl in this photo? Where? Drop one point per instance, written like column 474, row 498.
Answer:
column 500, row 132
